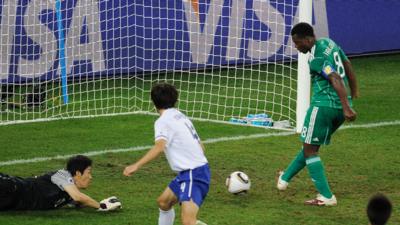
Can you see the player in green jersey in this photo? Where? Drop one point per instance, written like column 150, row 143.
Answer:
column 334, row 86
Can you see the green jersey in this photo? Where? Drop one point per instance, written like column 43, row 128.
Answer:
column 327, row 57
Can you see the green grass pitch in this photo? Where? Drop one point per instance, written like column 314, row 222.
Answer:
column 360, row 162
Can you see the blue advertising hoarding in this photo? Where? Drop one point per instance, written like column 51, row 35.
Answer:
column 109, row 37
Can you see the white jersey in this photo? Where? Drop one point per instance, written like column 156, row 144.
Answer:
column 183, row 149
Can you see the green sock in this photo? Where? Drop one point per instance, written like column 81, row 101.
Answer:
column 317, row 173
column 295, row 166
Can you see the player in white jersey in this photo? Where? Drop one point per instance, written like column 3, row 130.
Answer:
column 176, row 136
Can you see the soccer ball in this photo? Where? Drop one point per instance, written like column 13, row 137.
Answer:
column 238, row 182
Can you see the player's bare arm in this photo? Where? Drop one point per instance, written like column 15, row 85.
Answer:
column 153, row 153
column 108, row 204
column 352, row 78
column 338, row 85
column 80, row 197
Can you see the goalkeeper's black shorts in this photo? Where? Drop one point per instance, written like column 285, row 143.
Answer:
column 9, row 187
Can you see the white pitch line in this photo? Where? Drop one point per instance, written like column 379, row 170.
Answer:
column 138, row 148
column 208, row 141
column 370, row 125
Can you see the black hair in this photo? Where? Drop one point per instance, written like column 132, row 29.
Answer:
column 164, row 95
column 78, row 163
column 379, row 209
column 303, row 30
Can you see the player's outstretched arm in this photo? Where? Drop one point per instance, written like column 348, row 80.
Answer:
column 338, row 85
column 348, row 68
column 153, row 153
column 108, row 204
column 80, row 197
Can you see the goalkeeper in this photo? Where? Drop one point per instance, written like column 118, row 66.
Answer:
column 334, row 86
column 52, row 190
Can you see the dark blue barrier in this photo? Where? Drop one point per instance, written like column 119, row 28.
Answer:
column 365, row 26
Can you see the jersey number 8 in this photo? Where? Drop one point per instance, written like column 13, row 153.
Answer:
column 339, row 64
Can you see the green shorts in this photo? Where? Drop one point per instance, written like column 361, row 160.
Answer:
column 320, row 123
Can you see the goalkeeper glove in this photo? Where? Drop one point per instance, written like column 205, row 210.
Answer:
column 109, row 204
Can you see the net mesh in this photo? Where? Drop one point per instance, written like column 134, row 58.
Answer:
column 228, row 59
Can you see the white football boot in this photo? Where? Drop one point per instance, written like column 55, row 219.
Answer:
column 322, row 201
column 281, row 184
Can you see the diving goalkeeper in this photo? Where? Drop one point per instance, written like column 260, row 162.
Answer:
column 53, row 190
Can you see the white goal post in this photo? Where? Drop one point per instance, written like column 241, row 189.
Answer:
column 229, row 59
column 303, row 80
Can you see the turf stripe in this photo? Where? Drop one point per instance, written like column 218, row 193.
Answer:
column 208, row 141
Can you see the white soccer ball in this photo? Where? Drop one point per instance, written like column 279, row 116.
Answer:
column 238, row 182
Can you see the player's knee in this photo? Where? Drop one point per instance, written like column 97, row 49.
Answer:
column 310, row 150
column 310, row 154
column 163, row 204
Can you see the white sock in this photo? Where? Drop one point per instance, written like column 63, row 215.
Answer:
column 166, row 217
column 200, row 223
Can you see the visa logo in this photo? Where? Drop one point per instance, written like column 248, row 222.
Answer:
column 33, row 24
column 254, row 30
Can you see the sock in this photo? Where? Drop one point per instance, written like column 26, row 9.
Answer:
column 198, row 222
column 166, row 217
column 317, row 173
column 295, row 166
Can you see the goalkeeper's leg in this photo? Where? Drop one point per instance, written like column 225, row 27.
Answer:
column 8, row 192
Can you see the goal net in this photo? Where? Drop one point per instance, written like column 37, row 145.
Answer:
column 84, row 58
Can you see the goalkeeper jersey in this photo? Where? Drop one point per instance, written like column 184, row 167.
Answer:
column 327, row 57
column 44, row 192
